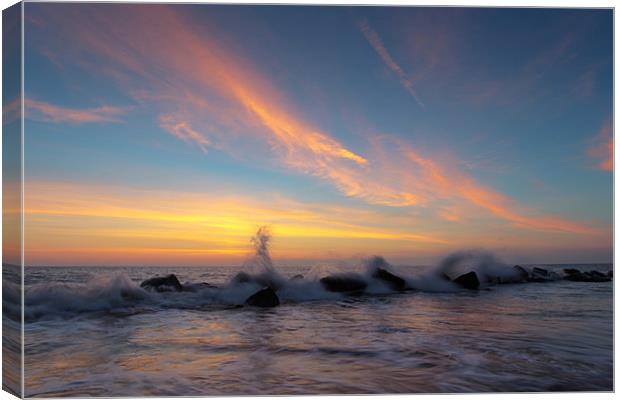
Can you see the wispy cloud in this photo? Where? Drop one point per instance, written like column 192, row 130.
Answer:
column 12, row 110
column 443, row 182
column 603, row 149
column 377, row 44
column 226, row 95
column 193, row 227
column 43, row 111
column 182, row 130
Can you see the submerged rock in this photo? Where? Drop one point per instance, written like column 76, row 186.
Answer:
column 344, row 283
column 542, row 275
column 571, row 271
column 589, row 276
column 597, row 274
column 523, row 274
column 575, row 275
column 518, row 275
column 395, row 282
column 468, row 281
column 297, row 277
column 540, row 271
column 168, row 283
column 265, row 297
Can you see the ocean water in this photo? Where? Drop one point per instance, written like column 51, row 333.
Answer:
column 93, row 331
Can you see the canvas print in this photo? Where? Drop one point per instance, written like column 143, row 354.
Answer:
column 208, row 200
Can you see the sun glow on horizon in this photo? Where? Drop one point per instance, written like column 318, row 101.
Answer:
column 170, row 142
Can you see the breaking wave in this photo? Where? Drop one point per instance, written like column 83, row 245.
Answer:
column 120, row 294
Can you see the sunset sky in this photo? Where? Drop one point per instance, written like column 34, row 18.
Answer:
column 166, row 135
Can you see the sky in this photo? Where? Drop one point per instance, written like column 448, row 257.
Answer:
column 167, row 134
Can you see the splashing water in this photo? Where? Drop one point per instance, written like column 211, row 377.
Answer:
column 436, row 337
column 261, row 261
column 484, row 263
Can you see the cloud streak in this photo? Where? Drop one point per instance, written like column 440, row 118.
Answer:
column 228, row 103
column 182, row 130
column 377, row 44
column 603, row 149
column 47, row 112
column 194, row 227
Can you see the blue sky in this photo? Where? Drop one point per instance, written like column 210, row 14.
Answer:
column 428, row 129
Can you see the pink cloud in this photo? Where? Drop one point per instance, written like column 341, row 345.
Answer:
column 224, row 94
column 603, row 149
column 182, row 130
column 48, row 112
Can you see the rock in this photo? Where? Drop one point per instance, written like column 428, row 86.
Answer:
column 540, row 271
column 542, row 275
column 590, row 276
column 519, row 275
column 344, row 283
column 596, row 276
column 395, row 282
column 468, row 281
column 575, row 277
column 523, row 274
column 265, row 297
column 610, row 274
column 298, row 277
column 168, row 283
column 571, row 271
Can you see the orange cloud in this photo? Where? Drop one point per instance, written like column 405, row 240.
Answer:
column 377, row 44
column 450, row 183
column 65, row 220
column 47, row 112
column 223, row 94
column 603, row 150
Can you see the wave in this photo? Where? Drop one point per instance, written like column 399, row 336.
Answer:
column 372, row 276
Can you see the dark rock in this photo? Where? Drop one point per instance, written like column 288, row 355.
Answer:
column 595, row 276
column 523, row 274
column 168, row 283
column 297, row 277
column 540, row 271
column 395, row 282
column 590, row 276
column 519, row 275
column 344, row 283
column 542, row 275
column 468, row 281
column 571, row 271
column 265, row 297
column 610, row 274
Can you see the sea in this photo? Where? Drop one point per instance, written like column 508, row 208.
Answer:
column 93, row 331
